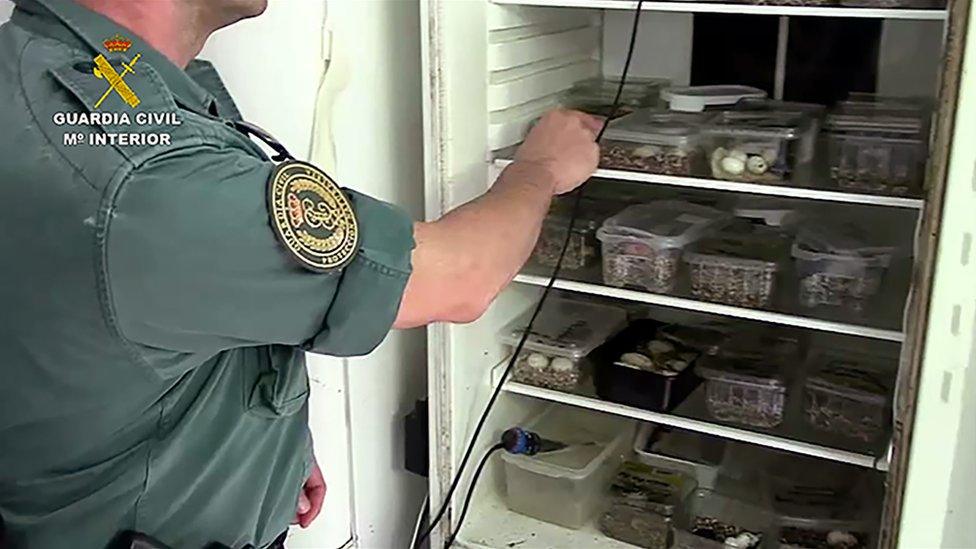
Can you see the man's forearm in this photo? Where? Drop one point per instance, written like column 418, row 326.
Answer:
column 463, row 260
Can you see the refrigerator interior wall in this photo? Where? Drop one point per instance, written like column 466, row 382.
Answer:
column 477, row 101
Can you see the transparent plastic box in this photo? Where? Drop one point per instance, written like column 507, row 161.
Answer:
column 568, row 486
column 848, row 395
column 583, row 248
column 812, row 112
column 737, row 269
column 642, row 504
column 596, row 95
column 711, row 517
column 652, row 141
column 642, row 245
column 887, row 163
column 836, row 271
column 811, row 510
column 564, row 333
column 758, row 147
column 697, row 455
column 747, row 391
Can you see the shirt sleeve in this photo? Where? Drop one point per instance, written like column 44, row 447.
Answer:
column 193, row 265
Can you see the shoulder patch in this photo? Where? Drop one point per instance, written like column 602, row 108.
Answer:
column 312, row 217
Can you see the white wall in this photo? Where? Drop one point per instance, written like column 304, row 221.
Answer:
column 5, row 8
column 366, row 122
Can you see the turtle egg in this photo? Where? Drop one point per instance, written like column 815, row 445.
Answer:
column 757, row 165
column 537, row 360
column 739, row 155
column 636, row 359
column 658, row 346
column 561, row 364
column 733, row 166
column 644, row 151
column 718, row 154
column 837, row 538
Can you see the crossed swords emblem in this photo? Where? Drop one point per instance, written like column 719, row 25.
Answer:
column 116, row 82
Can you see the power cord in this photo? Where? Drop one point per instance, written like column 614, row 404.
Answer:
column 528, row 329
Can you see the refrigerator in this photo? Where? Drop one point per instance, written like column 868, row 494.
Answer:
column 490, row 68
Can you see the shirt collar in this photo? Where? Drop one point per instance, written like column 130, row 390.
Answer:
column 72, row 23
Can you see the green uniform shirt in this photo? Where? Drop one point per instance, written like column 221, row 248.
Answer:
column 151, row 323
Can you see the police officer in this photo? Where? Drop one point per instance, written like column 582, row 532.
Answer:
column 162, row 276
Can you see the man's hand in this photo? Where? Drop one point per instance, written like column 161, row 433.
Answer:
column 563, row 143
column 311, row 498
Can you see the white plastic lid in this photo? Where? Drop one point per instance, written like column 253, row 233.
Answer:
column 697, row 98
column 566, row 327
column 663, row 223
column 656, row 127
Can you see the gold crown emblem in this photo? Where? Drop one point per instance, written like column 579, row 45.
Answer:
column 117, row 44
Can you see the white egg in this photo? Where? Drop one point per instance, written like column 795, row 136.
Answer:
column 718, row 154
column 757, row 165
column 733, row 166
column 561, row 364
column 770, row 155
column 644, row 151
column 537, row 361
column 658, row 346
column 636, row 359
column 841, row 539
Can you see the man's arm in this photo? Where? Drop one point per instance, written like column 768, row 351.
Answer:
column 465, row 259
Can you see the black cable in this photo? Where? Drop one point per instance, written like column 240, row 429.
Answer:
column 467, row 498
column 538, row 308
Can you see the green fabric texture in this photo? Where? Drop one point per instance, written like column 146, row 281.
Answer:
column 152, row 326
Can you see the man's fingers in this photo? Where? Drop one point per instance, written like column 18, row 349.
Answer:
column 592, row 123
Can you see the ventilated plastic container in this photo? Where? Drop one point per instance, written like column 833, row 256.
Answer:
column 696, row 455
column 564, row 333
column 567, row 487
column 596, row 95
column 811, row 510
column 888, row 163
column 655, row 142
column 583, row 248
column 642, row 245
column 711, row 517
column 706, row 338
column 848, row 395
column 812, row 112
column 758, row 147
column 750, row 391
column 643, row 503
column 640, row 368
column 837, row 270
column 737, row 269
column 769, row 211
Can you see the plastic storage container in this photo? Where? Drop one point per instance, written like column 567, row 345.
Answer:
column 583, row 249
column 758, row 147
column 696, row 455
column 563, row 334
column 836, row 269
column 711, row 518
column 642, row 245
column 748, row 391
column 643, row 503
column 809, row 513
column 640, row 368
column 567, row 487
column 909, row 4
column 655, row 142
column 812, row 112
column 596, row 95
column 847, row 395
column 737, row 269
column 705, row 338
column 772, row 212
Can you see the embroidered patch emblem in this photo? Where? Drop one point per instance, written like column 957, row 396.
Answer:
column 312, row 217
